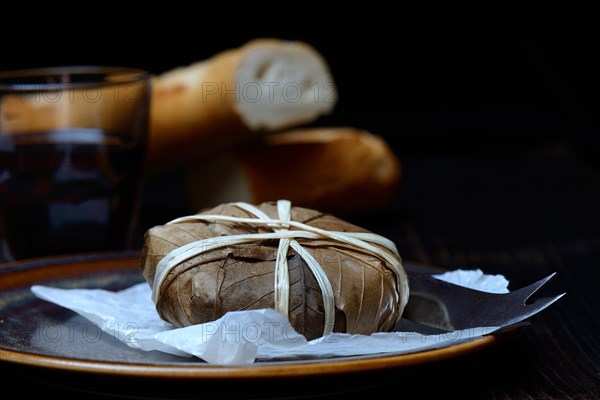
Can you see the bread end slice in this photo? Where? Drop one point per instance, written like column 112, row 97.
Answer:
column 282, row 84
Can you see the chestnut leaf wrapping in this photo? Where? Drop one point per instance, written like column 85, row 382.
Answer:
column 370, row 288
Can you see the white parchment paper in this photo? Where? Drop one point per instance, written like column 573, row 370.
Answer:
column 242, row 337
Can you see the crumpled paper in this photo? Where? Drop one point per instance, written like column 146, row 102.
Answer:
column 476, row 279
column 243, row 337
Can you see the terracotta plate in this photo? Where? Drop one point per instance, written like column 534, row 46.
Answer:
column 37, row 333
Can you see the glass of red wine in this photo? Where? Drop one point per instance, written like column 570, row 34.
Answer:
column 72, row 149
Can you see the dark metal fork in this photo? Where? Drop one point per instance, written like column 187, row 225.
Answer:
column 442, row 305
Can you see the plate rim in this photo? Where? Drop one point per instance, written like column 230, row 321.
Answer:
column 260, row 370
column 264, row 370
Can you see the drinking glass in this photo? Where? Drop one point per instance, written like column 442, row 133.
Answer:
column 72, row 149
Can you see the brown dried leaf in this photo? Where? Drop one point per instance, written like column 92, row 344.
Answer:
column 241, row 277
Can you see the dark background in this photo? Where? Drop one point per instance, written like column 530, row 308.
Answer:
column 408, row 84
column 498, row 135
column 432, row 88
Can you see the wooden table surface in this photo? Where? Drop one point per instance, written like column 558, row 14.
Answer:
column 523, row 211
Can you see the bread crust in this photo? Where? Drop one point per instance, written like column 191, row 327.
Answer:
column 340, row 170
column 204, row 107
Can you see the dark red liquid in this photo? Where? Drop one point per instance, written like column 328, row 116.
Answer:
column 68, row 191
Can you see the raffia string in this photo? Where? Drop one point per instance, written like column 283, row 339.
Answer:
column 287, row 238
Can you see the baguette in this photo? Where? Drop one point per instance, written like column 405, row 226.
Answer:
column 265, row 85
column 337, row 170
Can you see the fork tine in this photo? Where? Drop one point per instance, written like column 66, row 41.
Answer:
column 527, row 291
column 517, row 315
column 541, row 304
